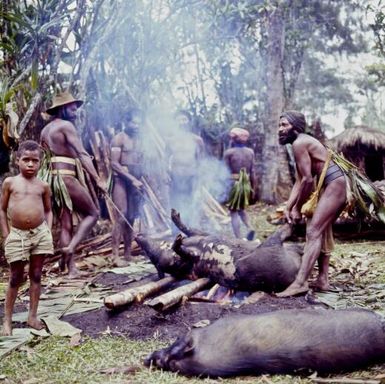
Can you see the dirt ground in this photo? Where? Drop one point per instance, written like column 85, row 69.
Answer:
column 141, row 322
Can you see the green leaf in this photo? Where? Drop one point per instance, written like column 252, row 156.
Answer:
column 35, row 74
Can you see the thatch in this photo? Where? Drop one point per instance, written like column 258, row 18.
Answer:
column 361, row 138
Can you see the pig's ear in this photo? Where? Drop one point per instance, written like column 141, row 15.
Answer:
column 189, row 349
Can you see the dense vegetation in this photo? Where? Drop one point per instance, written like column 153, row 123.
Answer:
column 224, row 61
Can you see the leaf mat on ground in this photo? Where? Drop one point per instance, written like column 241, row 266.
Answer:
column 18, row 338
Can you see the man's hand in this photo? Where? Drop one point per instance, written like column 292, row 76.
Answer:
column 137, row 184
column 296, row 215
column 293, row 216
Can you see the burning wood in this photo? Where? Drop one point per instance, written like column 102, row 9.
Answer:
column 173, row 297
column 137, row 294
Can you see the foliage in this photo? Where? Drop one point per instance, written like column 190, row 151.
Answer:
column 208, row 57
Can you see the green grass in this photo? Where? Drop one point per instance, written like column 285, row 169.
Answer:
column 54, row 360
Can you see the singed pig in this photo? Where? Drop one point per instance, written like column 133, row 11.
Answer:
column 233, row 263
column 279, row 342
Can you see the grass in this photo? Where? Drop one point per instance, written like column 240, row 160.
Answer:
column 55, row 361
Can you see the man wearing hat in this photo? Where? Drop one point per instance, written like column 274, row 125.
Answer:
column 68, row 159
column 240, row 161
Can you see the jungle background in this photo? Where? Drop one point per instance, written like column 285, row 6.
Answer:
column 226, row 62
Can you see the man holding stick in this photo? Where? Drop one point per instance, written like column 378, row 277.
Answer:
column 66, row 159
column 126, row 163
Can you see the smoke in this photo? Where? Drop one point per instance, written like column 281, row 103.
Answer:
column 184, row 176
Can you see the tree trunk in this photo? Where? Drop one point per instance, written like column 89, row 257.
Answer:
column 276, row 182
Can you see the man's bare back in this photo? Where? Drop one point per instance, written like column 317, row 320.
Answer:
column 54, row 136
column 309, row 152
column 238, row 158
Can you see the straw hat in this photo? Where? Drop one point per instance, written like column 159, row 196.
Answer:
column 61, row 99
column 239, row 134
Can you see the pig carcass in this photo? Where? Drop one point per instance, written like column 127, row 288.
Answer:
column 237, row 264
column 279, row 342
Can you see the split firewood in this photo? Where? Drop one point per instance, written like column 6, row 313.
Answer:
column 137, row 294
column 173, row 297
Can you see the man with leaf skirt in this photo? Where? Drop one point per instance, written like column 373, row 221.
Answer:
column 65, row 160
column 240, row 160
column 339, row 184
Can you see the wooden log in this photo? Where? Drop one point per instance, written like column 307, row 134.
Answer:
column 173, row 297
column 137, row 294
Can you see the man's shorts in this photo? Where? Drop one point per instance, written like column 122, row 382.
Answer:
column 20, row 244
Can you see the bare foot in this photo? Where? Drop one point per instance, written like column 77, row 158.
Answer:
column 120, row 262
column 293, row 290
column 35, row 323
column 66, row 257
column 321, row 286
column 74, row 273
column 7, row 329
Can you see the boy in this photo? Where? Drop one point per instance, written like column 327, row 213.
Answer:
column 26, row 203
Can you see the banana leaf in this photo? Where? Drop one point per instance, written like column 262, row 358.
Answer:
column 368, row 200
column 240, row 192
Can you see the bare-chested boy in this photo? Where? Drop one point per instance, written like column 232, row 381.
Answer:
column 26, row 203
column 240, row 157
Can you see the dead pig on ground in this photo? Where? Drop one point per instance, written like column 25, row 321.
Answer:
column 233, row 263
column 280, row 342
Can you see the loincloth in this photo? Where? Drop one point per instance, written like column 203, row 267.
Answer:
column 53, row 175
column 240, row 192
column 20, row 244
column 333, row 172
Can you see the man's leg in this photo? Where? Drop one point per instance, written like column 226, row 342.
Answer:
column 245, row 218
column 322, row 283
column 15, row 280
column 331, row 201
column 35, row 269
column 65, row 235
column 235, row 223
column 127, row 238
column 119, row 197
column 115, row 238
column 82, row 203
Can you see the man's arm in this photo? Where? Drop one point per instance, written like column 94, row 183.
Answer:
column 5, row 194
column 74, row 141
column 47, row 205
column 252, row 173
column 305, row 177
column 200, row 147
column 227, row 159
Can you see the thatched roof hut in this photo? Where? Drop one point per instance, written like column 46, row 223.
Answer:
column 365, row 147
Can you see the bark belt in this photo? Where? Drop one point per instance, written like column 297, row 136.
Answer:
column 63, row 159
